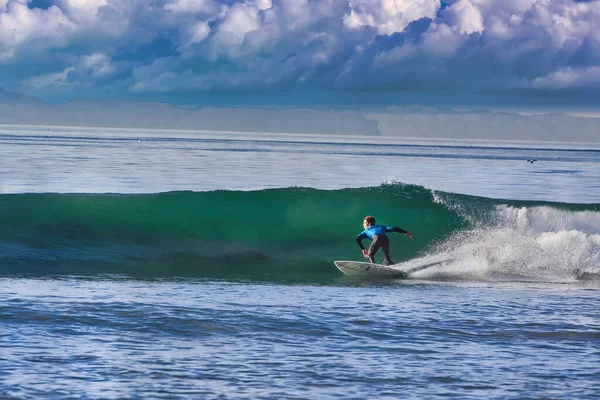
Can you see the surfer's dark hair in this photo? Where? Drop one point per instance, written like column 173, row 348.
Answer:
column 370, row 219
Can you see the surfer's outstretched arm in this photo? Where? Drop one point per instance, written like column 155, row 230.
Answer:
column 400, row 230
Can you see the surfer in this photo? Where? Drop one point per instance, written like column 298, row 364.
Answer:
column 377, row 233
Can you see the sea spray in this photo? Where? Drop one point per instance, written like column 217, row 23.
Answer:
column 532, row 243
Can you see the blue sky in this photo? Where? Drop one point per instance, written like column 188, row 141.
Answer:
column 514, row 53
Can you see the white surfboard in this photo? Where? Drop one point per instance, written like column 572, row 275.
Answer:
column 401, row 270
column 357, row 268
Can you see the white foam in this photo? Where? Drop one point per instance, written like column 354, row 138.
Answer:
column 524, row 243
column 532, row 220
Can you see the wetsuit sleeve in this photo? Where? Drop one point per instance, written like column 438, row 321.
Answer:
column 395, row 229
column 359, row 239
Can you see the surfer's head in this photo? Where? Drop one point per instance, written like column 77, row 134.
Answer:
column 368, row 221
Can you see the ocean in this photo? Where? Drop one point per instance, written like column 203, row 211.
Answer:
column 177, row 264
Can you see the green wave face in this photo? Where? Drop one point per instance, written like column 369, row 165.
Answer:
column 290, row 234
column 276, row 231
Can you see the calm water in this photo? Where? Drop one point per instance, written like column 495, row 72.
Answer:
column 519, row 321
column 141, row 161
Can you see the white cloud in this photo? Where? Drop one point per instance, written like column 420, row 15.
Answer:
column 191, row 6
column 97, row 65
column 3, row 5
column 83, row 11
column 395, row 56
column 261, row 4
column 196, row 33
column 239, row 20
column 569, row 78
column 20, row 26
column 216, row 45
column 86, row 69
column 442, row 41
column 465, row 17
column 388, row 16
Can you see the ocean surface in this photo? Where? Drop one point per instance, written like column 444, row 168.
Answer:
column 177, row 264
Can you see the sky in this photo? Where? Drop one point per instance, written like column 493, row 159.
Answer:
column 507, row 53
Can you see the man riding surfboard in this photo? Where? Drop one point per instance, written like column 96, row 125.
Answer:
column 377, row 233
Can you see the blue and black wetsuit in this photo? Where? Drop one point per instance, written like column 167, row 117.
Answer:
column 377, row 233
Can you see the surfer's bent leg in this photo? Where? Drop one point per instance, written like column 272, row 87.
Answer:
column 375, row 245
column 385, row 245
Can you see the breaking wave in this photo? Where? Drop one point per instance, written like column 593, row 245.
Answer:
column 294, row 234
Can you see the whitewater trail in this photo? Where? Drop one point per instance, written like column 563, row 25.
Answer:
column 538, row 243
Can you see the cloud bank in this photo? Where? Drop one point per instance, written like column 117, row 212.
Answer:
column 69, row 49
